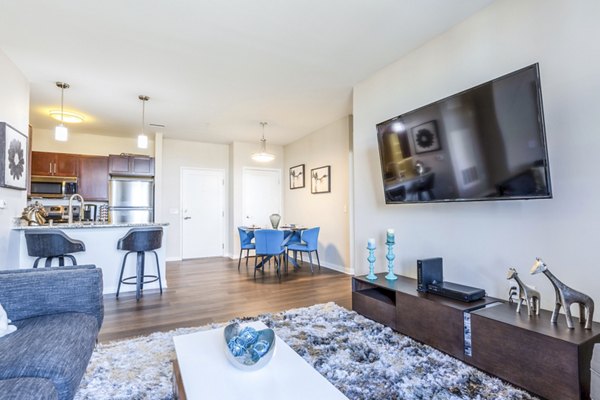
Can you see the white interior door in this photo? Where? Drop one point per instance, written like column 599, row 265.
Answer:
column 202, row 213
column 261, row 196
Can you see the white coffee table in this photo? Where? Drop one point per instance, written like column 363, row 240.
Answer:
column 207, row 374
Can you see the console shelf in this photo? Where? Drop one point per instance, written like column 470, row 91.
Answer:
column 549, row 360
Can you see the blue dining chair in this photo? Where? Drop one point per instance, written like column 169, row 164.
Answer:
column 269, row 243
column 246, row 237
column 310, row 243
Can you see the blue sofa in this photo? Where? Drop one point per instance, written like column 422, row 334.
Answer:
column 58, row 313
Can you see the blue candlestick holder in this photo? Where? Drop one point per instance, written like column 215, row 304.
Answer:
column 390, row 257
column 371, row 260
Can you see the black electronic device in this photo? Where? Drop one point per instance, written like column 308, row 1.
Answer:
column 456, row 291
column 429, row 270
column 485, row 143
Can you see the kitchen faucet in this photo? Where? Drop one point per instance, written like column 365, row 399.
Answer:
column 71, row 207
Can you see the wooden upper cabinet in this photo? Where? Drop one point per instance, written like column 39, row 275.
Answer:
column 142, row 165
column 93, row 178
column 118, row 164
column 42, row 163
column 66, row 164
column 54, row 164
column 130, row 165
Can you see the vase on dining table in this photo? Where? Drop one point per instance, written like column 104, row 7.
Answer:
column 275, row 218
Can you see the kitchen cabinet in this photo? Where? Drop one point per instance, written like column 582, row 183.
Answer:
column 54, row 164
column 130, row 165
column 93, row 178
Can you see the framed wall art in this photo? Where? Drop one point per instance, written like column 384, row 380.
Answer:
column 297, row 177
column 13, row 158
column 320, row 180
column 425, row 137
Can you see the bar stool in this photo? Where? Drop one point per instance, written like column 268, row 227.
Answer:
column 50, row 244
column 140, row 240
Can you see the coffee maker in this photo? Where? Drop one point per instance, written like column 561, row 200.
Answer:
column 90, row 212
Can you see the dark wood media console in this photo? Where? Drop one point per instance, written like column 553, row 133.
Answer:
column 549, row 360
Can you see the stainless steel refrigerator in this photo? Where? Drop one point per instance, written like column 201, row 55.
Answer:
column 131, row 200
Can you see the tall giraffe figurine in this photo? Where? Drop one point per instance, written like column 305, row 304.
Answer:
column 565, row 297
column 527, row 294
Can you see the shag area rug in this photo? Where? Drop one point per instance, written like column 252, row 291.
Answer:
column 362, row 358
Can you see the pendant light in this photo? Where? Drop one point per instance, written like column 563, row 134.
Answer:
column 262, row 155
column 61, row 133
column 142, row 140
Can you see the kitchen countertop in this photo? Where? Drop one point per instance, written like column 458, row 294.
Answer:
column 79, row 225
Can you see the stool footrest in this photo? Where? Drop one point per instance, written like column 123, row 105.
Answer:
column 143, row 282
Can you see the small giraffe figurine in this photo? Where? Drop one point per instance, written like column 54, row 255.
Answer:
column 527, row 294
column 565, row 297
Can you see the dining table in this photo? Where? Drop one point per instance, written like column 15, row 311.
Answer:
column 289, row 231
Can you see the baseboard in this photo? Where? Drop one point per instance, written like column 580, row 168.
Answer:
column 172, row 259
column 336, row 267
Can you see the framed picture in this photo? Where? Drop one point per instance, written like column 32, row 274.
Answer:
column 425, row 137
column 320, row 180
column 13, row 158
column 297, row 177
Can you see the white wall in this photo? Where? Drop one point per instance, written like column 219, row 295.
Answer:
column 240, row 158
column 14, row 110
column 480, row 240
column 87, row 143
column 327, row 146
column 182, row 153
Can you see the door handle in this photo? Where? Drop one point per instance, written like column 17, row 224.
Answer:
column 187, row 217
column 50, row 172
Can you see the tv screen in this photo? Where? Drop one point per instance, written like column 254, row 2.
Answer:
column 485, row 143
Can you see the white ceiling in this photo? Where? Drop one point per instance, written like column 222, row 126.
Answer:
column 213, row 68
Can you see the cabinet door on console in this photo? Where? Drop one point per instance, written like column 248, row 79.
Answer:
column 93, row 178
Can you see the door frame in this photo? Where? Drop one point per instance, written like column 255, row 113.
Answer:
column 225, row 237
column 281, row 193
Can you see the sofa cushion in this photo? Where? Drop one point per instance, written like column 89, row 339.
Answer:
column 57, row 347
column 27, row 388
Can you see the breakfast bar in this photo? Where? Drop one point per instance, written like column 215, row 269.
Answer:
column 100, row 241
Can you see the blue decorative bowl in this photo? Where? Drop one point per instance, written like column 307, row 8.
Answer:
column 248, row 349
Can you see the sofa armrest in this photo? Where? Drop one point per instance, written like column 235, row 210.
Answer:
column 26, row 293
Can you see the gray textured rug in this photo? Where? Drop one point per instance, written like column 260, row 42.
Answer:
column 362, row 358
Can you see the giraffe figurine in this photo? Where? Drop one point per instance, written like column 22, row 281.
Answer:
column 527, row 294
column 565, row 297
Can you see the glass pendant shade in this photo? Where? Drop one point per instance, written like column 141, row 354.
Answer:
column 263, row 155
column 61, row 133
column 142, row 141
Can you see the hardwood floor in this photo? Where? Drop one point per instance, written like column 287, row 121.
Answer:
column 212, row 290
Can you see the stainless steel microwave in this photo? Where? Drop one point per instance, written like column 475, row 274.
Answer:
column 53, row 186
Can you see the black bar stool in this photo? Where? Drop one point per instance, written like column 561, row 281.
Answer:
column 140, row 240
column 50, row 244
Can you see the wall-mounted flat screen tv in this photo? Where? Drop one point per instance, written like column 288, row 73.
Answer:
column 485, row 143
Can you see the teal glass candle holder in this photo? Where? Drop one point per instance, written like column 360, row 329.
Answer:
column 371, row 260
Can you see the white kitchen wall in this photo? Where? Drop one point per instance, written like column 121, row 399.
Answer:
column 14, row 110
column 177, row 154
column 88, row 143
column 480, row 240
column 327, row 146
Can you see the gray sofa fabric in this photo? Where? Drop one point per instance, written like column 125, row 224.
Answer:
column 595, row 378
column 26, row 293
column 58, row 313
column 27, row 388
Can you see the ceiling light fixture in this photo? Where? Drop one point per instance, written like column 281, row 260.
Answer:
column 262, row 155
column 66, row 116
column 61, row 133
column 142, row 140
